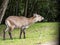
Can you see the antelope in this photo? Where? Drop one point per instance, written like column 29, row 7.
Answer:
column 20, row 22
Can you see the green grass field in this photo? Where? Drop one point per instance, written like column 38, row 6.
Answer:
column 36, row 33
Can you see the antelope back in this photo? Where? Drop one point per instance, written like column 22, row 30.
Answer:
column 15, row 21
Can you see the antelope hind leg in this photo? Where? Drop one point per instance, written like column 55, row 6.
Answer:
column 4, row 31
column 10, row 34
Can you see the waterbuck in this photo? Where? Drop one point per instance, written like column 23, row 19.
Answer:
column 20, row 22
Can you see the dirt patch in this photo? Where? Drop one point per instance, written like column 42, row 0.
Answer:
column 48, row 43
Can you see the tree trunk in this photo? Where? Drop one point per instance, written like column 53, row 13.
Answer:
column 3, row 9
column 32, row 8
column 26, row 8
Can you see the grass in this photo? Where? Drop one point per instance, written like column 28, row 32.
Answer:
column 36, row 33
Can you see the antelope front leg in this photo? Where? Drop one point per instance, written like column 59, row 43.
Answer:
column 24, row 33
column 20, row 33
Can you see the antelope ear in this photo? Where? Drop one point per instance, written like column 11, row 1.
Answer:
column 34, row 15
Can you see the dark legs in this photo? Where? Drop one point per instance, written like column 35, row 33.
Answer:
column 9, row 31
column 3, row 34
column 4, row 31
column 10, row 34
column 22, row 31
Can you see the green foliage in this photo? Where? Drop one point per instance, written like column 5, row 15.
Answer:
column 46, row 8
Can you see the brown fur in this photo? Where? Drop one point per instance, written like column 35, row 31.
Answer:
column 20, row 22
